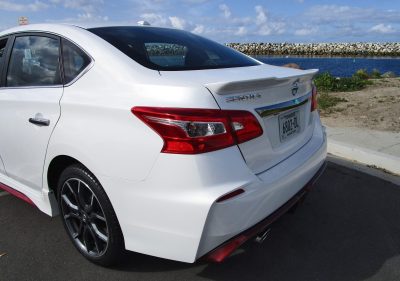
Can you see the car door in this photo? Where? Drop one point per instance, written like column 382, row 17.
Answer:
column 29, row 105
column 3, row 50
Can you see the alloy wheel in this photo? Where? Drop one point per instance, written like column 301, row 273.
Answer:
column 84, row 217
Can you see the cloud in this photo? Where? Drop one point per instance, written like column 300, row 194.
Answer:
column 194, row 1
column 177, row 22
column 154, row 19
column 30, row 7
column 91, row 17
column 329, row 13
column 271, row 28
column 148, row 6
column 225, row 10
column 261, row 15
column 306, row 31
column 350, row 23
column 199, row 29
column 225, row 22
column 326, row 14
column 383, row 29
column 265, row 26
column 88, row 6
column 241, row 31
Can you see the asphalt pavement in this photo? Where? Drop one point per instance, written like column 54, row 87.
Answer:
column 347, row 229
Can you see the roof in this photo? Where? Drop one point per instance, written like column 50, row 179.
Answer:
column 62, row 27
column 50, row 27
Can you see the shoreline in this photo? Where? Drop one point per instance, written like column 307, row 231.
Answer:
column 319, row 49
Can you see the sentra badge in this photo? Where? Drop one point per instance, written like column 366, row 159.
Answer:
column 248, row 97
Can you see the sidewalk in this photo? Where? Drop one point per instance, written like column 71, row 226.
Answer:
column 376, row 148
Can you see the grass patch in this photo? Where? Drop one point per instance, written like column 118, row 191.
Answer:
column 326, row 101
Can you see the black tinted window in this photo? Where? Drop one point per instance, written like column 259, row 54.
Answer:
column 34, row 62
column 170, row 49
column 3, row 44
column 75, row 61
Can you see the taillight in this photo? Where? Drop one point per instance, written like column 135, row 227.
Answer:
column 193, row 131
column 314, row 101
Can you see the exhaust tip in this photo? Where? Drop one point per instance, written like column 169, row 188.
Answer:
column 260, row 238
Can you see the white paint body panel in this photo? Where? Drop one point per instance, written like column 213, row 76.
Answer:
column 2, row 169
column 165, row 203
column 23, row 145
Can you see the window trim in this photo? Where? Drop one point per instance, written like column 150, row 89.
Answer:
column 3, row 69
column 10, row 44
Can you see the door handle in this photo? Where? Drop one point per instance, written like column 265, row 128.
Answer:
column 39, row 121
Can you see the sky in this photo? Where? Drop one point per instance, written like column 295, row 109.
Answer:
column 298, row 21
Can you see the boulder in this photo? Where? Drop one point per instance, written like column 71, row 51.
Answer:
column 389, row 74
column 292, row 65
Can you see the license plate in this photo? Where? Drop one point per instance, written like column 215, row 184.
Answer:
column 289, row 125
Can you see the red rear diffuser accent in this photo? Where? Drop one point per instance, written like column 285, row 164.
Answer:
column 226, row 249
column 16, row 193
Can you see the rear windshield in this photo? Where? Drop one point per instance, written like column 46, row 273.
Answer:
column 170, row 49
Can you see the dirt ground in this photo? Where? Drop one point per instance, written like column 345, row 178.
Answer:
column 377, row 107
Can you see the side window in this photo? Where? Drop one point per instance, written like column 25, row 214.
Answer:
column 3, row 43
column 74, row 60
column 34, row 61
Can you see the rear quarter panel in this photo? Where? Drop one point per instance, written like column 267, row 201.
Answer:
column 97, row 127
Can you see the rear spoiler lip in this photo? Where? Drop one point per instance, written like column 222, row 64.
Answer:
column 226, row 88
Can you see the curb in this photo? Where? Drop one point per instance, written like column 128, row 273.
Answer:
column 365, row 156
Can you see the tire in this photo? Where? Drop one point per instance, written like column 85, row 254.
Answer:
column 88, row 216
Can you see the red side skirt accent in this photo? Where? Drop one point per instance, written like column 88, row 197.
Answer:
column 16, row 194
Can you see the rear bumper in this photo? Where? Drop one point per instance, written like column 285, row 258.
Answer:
column 227, row 248
column 174, row 213
column 262, row 198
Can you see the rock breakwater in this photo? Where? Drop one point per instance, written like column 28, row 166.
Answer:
column 320, row 49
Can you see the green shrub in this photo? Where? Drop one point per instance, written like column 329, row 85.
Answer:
column 361, row 74
column 325, row 82
column 375, row 74
column 349, row 84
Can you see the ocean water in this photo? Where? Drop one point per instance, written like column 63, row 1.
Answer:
column 340, row 67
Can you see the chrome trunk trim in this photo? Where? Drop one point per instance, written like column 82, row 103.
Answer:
column 283, row 106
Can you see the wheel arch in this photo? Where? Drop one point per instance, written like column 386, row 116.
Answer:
column 56, row 166
column 55, row 171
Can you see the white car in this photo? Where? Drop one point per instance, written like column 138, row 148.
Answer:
column 153, row 140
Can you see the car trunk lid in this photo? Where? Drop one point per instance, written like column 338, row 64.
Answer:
column 280, row 98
